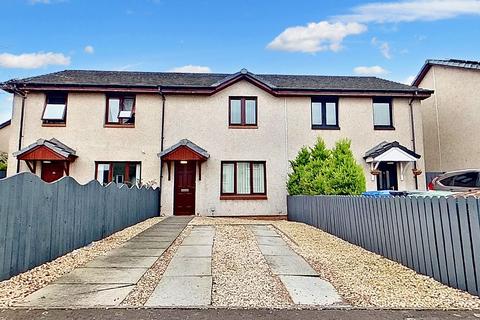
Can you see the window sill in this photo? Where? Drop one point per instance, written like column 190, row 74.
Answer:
column 383, row 127
column 54, row 124
column 242, row 127
column 317, row 127
column 244, row 197
column 110, row 125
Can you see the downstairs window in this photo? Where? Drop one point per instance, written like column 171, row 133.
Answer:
column 243, row 178
column 119, row 172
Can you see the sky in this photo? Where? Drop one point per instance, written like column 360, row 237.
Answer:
column 388, row 39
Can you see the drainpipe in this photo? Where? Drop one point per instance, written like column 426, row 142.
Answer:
column 412, row 123
column 22, row 94
column 162, row 138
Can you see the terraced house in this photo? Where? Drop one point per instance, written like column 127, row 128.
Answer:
column 216, row 144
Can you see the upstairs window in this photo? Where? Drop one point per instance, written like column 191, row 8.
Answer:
column 243, row 112
column 325, row 113
column 120, row 110
column 382, row 113
column 55, row 110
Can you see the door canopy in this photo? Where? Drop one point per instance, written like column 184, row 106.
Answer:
column 184, row 150
column 46, row 150
column 390, row 152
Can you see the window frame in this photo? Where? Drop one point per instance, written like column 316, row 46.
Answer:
column 110, row 170
column 242, row 123
column 388, row 100
column 121, row 122
column 324, row 100
column 55, row 123
column 250, row 196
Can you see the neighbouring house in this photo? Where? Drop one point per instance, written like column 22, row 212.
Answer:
column 4, row 136
column 450, row 121
column 216, row 144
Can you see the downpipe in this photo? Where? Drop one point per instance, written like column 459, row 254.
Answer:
column 162, row 138
column 412, row 123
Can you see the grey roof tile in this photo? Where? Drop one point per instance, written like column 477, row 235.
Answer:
column 187, row 143
column 384, row 146
column 211, row 80
column 52, row 144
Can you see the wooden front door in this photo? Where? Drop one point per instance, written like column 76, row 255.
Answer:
column 184, row 188
column 52, row 171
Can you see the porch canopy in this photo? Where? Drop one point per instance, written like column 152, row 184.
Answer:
column 46, row 150
column 184, row 150
column 390, row 152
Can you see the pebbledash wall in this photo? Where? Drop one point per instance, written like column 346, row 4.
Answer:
column 451, row 118
column 284, row 126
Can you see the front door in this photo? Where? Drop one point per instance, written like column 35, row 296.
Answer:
column 184, row 188
column 52, row 171
column 387, row 179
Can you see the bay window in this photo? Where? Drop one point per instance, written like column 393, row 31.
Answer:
column 243, row 179
column 120, row 110
column 119, row 172
column 242, row 112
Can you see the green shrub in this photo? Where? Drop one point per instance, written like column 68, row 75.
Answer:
column 319, row 170
column 3, row 161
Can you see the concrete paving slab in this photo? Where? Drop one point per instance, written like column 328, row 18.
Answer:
column 154, row 233
column 198, row 240
column 150, row 239
column 271, row 241
column 130, row 252
column 182, row 291
column 147, row 245
column 188, row 266
column 265, row 233
column 290, row 265
column 310, row 291
column 103, row 276
column 121, row 262
column 194, row 251
column 78, row 295
column 280, row 250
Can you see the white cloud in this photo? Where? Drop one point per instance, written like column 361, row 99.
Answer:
column 314, row 37
column 383, row 46
column 412, row 10
column 373, row 70
column 409, row 80
column 192, row 69
column 33, row 60
column 89, row 49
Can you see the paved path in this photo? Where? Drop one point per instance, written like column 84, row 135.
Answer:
column 188, row 278
column 108, row 279
column 301, row 281
column 225, row 314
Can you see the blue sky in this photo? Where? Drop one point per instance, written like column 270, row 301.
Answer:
column 389, row 39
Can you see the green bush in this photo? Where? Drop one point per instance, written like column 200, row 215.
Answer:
column 3, row 161
column 319, row 170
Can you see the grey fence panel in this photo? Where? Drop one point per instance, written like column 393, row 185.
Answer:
column 438, row 237
column 41, row 221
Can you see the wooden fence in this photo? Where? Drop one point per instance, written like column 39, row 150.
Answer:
column 438, row 237
column 41, row 221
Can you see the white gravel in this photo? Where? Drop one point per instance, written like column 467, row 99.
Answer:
column 241, row 276
column 366, row 279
